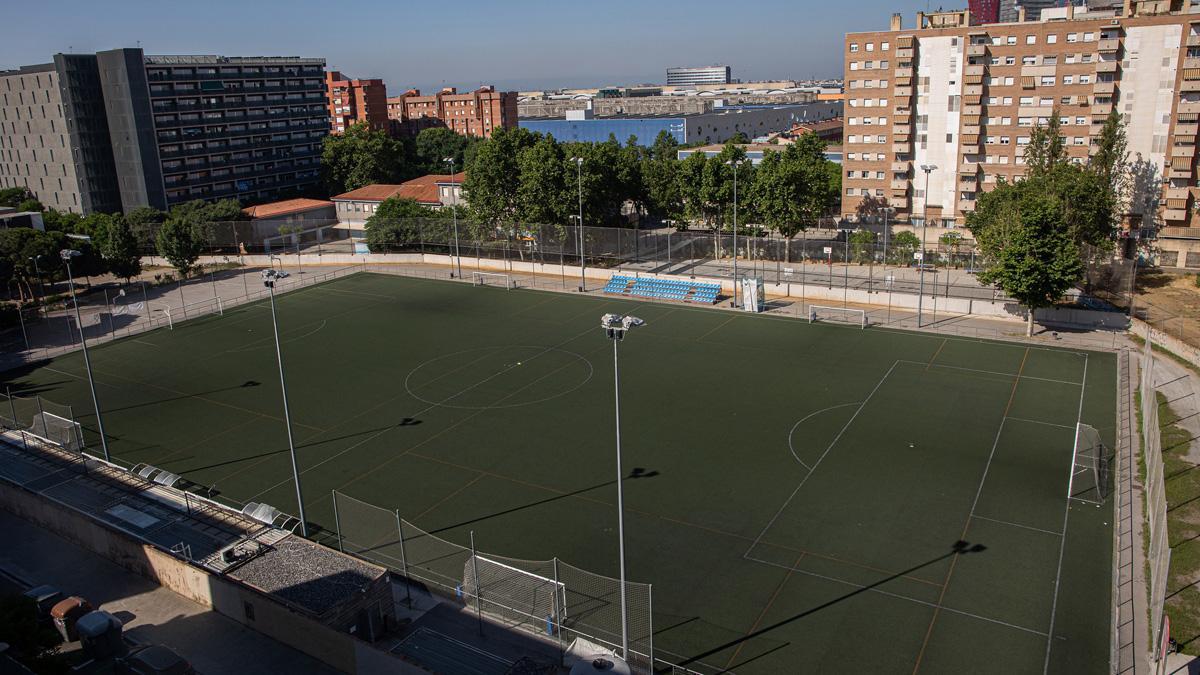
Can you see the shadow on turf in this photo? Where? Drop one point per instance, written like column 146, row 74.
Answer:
column 637, row 472
column 245, row 385
column 959, row 547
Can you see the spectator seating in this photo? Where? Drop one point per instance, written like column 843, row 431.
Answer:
column 663, row 289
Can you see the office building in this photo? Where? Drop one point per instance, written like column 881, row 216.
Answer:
column 717, row 125
column 136, row 130
column 962, row 99
column 1009, row 10
column 353, row 101
column 474, row 113
column 54, row 137
column 699, row 75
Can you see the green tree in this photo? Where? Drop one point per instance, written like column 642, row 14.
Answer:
column 121, row 249
column 396, row 223
column 144, row 220
column 434, row 145
column 660, row 182
column 543, row 195
column 951, row 242
column 1046, row 149
column 902, row 247
column 180, row 243
column 363, row 156
column 18, row 248
column 61, row 221
column 795, row 186
column 862, row 245
column 30, row 204
column 14, row 195
column 1039, row 261
column 630, row 183
column 493, row 176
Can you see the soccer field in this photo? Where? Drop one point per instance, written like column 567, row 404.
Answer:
column 798, row 494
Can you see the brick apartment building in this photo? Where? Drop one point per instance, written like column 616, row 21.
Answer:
column 353, row 101
column 963, row 98
column 474, row 113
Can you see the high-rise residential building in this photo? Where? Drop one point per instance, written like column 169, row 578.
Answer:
column 129, row 130
column 54, row 137
column 1010, row 9
column 939, row 114
column 474, row 113
column 354, row 101
column 699, row 75
column 984, row 11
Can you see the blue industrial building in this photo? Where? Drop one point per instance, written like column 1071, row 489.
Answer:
column 717, row 126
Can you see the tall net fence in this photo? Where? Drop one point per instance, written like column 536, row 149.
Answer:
column 1158, row 554
column 47, row 421
column 547, row 597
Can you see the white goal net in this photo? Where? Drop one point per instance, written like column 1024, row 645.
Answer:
column 57, row 430
column 1089, row 473
column 492, row 279
column 848, row 315
column 516, row 595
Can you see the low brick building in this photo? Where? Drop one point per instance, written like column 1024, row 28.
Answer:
column 474, row 113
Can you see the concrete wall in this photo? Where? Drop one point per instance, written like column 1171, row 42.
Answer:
column 1172, row 344
column 271, row 618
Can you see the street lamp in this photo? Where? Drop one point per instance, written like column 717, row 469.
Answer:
column 454, row 210
column 928, row 169
column 67, row 254
column 38, row 270
column 582, row 261
column 615, row 326
column 269, row 277
column 735, row 164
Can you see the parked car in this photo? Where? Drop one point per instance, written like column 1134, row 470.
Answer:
column 154, row 660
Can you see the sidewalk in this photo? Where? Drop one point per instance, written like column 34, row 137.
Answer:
column 212, row 643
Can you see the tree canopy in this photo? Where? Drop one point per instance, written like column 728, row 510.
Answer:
column 363, row 156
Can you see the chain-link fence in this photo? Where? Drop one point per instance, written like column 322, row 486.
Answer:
column 1158, row 553
column 111, row 313
column 548, row 597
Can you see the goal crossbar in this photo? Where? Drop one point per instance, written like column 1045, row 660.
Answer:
column 1089, row 466
column 513, row 592
column 488, row 278
column 851, row 314
column 58, row 430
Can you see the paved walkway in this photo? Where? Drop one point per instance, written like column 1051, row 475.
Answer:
column 213, row 643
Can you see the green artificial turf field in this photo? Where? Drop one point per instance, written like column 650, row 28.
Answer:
column 802, row 497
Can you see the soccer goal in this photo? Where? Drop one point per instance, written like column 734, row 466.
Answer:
column 60, row 431
column 1089, row 467
column 840, row 314
column 514, row 594
column 492, row 279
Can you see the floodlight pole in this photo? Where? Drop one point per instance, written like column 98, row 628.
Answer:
column 67, row 254
column 615, row 328
column 928, row 169
column 454, row 212
column 735, row 164
column 582, row 260
column 269, row 282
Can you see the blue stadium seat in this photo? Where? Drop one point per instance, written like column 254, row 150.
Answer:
column 664, row 289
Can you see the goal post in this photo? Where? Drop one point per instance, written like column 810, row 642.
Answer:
column 60, row 431
column 492, row 279
column 850, row 315
column 1089, row 466
column 514, row 594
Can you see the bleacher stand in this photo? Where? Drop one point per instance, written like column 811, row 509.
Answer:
column 663, row 289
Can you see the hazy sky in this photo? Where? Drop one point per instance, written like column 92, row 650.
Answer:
column 518, row 44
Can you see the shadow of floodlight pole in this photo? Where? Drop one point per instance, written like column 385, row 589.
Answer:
column 959, row 547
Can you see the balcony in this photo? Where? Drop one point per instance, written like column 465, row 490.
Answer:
column 1186, row 151
column 1102, row 108
column 901, row 167
column 977, row 50
column 972, row 100
column 975, row 69
column 1189, row 85
column 971, row 129
column 902, row 147
column 902, row 118
column 905, row 53
column 971, row 168
column 966, row 205
column 1179, row 232
column 972, row 90
column 900, row 192
column 1108, row 45
column 974, row 110
column 903, row 92
column 1105, row 88
column 904, row 72
column 899, row 184
column 1108, row 66
column 1187, row 107
column 1186, row 130
column 1179, row 170
column 1193, row 40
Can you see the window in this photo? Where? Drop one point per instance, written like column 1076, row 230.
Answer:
column 870, row 46
column 1022, row 140
column 1031, row 39
column 1080, row 120
column 1005, row 140
column 1051, row 39
column 1011, row 40
column 1024, row 121
column 1029, row 60
column 1086, row 58
column 1046, row 101
column 849, row 192
column 1010, row 60
column 879, row 175
column 1085, row 79
column 1068, row 79
column 852, row 139
column 995, row 60
column 854, row 65
column 885, row 46
column 851, row 156
column 883, row 102
column 1089, row 37
column 853, row 103
column 1026, row 100
column 1072, row 37
column 852, row 121
column 1049, row 60
column 1047, row 80
column 1079, row 140
column 1008, row 81
column 853, row 47
column 1070, row 58
column 997, row 40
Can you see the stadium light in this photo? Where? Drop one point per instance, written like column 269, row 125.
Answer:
column 269, row 277
column 615, row 326
column 66, row 255
column 582, row 261
column 928, row 169
column 454, row 211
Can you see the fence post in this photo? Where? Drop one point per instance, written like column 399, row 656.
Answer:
column 404, row 561
column 650, row 614
column 12, row 407
column 478, row 594
column 41, row 413
column 337, row 522
column 560, row 610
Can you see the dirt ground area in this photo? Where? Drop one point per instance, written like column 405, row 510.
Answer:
column 1171, row 302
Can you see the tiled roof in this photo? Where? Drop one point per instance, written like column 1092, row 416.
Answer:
column 285, row 207
column 423, row 190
